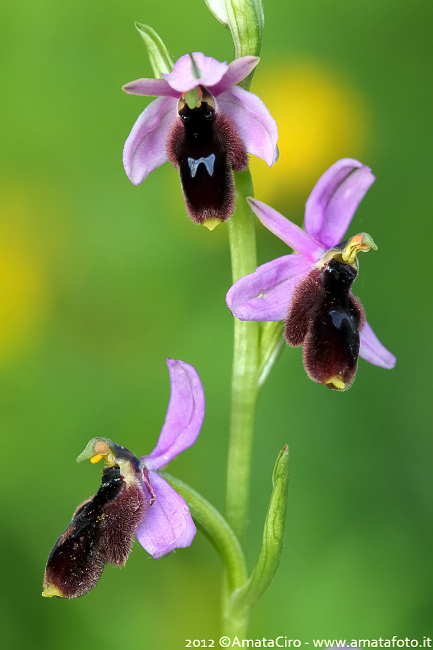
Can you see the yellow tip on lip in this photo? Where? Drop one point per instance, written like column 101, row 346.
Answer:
column 211, row 224
column 51, row 591
column 336, row 382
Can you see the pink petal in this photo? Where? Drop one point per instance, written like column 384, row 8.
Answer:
column 150, row 88
column 265, row 295
column 167, row 523
column 334, row 200
column 254, row 123
column 373, row 351
column 237, row 70
column 184, row 417
column 289, row 232
column 182, row 77
column 144, row 148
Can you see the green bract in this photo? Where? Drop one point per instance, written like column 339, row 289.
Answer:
column 160, row 59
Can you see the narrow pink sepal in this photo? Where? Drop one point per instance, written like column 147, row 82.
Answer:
column 255, row 125
column 150, row 88
column 144, row 148
column 372, row 350
column 182, row 77
column 266, row 294
column 167, row 523
column 185, row 414
column 334, row 200
column 237, row 70
column 289, row 232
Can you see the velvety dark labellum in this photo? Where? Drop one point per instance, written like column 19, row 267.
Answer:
column 205, row 146
column 326, row 319
column 101, row 531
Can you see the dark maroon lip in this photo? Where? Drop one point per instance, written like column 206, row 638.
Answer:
column 101, row 531
column 326, row 319
column 205, row 147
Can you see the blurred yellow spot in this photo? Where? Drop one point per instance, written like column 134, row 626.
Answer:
column 320, row 118
column 96, row 458
column 23, row 296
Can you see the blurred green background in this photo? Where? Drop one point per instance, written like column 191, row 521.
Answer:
column 100, row 281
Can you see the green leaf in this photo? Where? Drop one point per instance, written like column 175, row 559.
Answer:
column 273, row 537
column 160, row 59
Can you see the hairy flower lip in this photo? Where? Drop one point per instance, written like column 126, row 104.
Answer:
column 267, row 293
column 325, row 319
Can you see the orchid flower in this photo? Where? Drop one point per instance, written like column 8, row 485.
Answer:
column 205, row 125
column 133, row 500
column 311, row 288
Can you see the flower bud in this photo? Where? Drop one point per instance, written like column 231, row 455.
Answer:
column 245, row 19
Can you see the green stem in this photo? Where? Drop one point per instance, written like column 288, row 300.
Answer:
column 244, row 391
column 246, row 27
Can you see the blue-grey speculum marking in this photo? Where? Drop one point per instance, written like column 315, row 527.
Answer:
column 208, row 162
column 338, row 318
